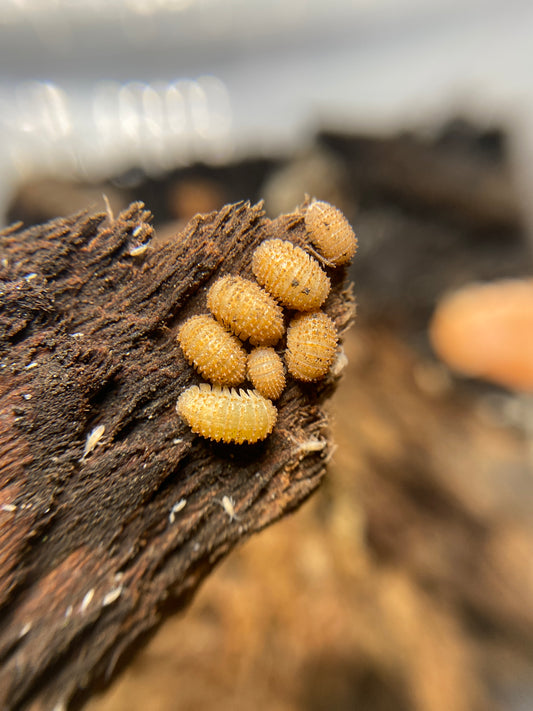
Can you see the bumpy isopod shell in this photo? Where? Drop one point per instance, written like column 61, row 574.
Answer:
column 247, row 310
column 290, row 274
column 330, row 232
column 217, row 354
column 223, row 414
column 266, row 372
column 311, row 345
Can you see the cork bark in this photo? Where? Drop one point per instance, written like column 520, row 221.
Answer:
column 101, row 536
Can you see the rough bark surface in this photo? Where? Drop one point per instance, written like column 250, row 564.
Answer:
column 93, row 547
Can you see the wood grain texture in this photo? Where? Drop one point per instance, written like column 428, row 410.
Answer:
column 90, row 555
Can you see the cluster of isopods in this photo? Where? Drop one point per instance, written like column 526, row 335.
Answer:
column 243, row 310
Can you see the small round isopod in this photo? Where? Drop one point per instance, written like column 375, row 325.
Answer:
column 247, row 310
column 266, row 372
column 311, row 345
column 218, row 355
column 223, row 414
column 290, row 275
column 330, row 232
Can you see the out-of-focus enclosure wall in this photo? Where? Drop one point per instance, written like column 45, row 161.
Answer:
column 89, row 89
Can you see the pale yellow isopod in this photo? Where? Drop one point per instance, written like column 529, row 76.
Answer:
column 311, row 345
column 290, row 275
column 330, row 232
column 266, row 372
column 217, row 355
column 225, row 415
column 247, row 310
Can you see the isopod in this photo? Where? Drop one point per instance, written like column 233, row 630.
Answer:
column 223, row 414
column 218, row 355
column 247, row 310
column 228, row 504
column 266, row 372
column 290, row 275
column 330, row 232
column 93, row 438
column 311, row 345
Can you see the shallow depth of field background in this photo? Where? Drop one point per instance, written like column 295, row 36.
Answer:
column 406, row 582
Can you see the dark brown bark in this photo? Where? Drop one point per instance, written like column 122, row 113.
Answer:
column 457, row 179
column 91, row 550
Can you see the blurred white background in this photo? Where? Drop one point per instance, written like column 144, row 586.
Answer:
column 90, row 88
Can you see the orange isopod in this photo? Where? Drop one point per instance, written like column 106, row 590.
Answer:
column 330, row 232
column 266, row 372
column 290, row 274
column 311, row 345
column 225, row 415
column 247, row 310
column 218, row 355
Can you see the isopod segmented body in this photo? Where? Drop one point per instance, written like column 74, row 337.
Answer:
column 223, row 414
column 330, row 232
column 266, row 372
column 218, row 355
column 290, row 274
column 311, row 345
column 247, row 310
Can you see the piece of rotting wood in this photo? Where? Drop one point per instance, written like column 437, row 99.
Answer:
column 109, row 504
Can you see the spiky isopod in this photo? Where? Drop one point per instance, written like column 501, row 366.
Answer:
column 223, row 414
column 217, row 354
column 247, row 310
column 311, row 345
column 266, row 372
column 330, row 232
column 290, row 274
